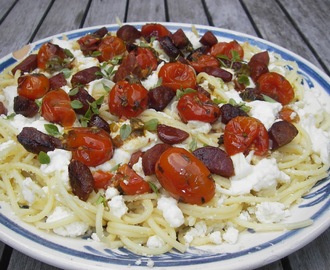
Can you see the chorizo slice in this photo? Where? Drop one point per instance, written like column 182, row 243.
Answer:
column 151, row 156
column 229, row 112
column 81, row 179
column 159, row 97
column 29, row 64
column 208, row 39
column 84, row 98
column 281, row 133
column 85, row 76
column 98, row 121
column 128, row 33
column 25, row 106
column 225, row 75
column 171, row 135
column 57, row 81
column 168, row 46
column 180, row 39
column 3, row 109
column 216, row 160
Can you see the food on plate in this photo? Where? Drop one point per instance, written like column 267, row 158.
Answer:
column 156, row 140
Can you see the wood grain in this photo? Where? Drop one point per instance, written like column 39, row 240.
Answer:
column 146, row 11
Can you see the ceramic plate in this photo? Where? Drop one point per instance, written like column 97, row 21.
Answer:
column 251, row 251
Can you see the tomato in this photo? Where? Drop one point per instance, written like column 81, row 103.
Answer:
column 184, row 176
column 276, row 86
column 110, row 47
column 200, row 61
column 91, row 146
column 130, row 182
column 51, row 56
column 89, row 43
column 243, row 134
column 154, row 30
column 56, row 108
column 33, row 86
column 288, row 115
column 146, row 59
column 128, row 100
column 102, row 179
column 197, row 106
column 226, row 49
column 177, row 76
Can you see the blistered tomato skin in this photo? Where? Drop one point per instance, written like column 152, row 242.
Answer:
column 128, row 100
column 110, row 47
column 33, row 86
column 184, row 176
column 226, row 49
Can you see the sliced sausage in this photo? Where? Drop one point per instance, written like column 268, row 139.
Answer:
column 85, row 99
column 135, row 158
column 225, row 75
column 57, row 81
column 151, row 156
column 229, row 112
column 85, row 76
column 101, row 32
column 3, row 109
column 35, row 141
column 281, row 133
column 98, row 121
column 25, row 106
column 169, row 48
column 208, row 39
column 180, row 39
column 160, row 97
column 128, row 33
column 29, row 64
column 81, row 179
column 258, row 65
column 171, row 135
column 216, row 160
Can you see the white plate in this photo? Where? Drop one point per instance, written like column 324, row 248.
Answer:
column 252, row 250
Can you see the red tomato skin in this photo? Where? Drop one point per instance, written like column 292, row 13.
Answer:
column 226, row 48
column 91, row 146
column 243, row 134
column 130, row 182
column 127, row 100
column 177, row 76
column 33, row 86
column 146, row 59
column 102, row 179
column 110, row 47
column 56, row 108
column 48, row 51
column 154, row 30
column 203, row 61
column 197, row 106
column 184, row 176
column 276, row 86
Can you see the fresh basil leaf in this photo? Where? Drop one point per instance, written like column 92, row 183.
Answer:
column 73, row 91
column 125, row 131
column 52, row 130
column 43, row 158
column 115, row 168
column 96, row 53
column 151, row 125
column 76, row 104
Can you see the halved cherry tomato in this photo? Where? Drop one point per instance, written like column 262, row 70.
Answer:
column 51, row 56
column 56, row 108
column 102, row 179
column 146, row 58
column 33, row 86
column 184, row 176
column 226, row 49
column 288, row 114
column 177, row 76
column 276, row 86
column 197, row 106
column 128, row 100
column 89, row 43
column 154, row 30
column 243, row 134
column 110, row 47
column 91, row 146
column 201, row 61
column 130, row 182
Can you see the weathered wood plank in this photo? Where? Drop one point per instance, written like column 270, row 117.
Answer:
column 182, row 11
column 275, row 26
column 63, row 16
column 313, row 256
column 315, row 29
column 105, row 12
column 5, row 6
column 230, row 15
column 146, row 11
column 16, row 30
column 272, row 266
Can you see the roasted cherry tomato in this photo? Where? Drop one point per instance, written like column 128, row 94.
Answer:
column 226, row 49
column 288, row 115
column 130, row 182
column 51, row 56
column 89, row 43
column 146, row 59
column 177, row 76
column 197, row 106
column 243, row 134
column 128, row 100
column 102, row 179
column 91, row 146
column 201, row 61
column 56, row 108
column 154, row 30
column 184, row 176
column 33, row 86
column 110, row 47
column 276, row 86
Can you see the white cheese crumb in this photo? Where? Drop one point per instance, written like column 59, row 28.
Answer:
column 271, row 212
column 230, row 235
column 95, row 237
column 117, row 206
column 197, row 231
column 111, row 192
column 155, row 242
column 30, row 190
column 266, row 112
column 216, row 238
column 171, row 212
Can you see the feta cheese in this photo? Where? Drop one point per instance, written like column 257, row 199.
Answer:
column 150, row 81
column 73, row 229
column 10, row 92
column 233, row 94
column 111, row 192
column 117, row 206
column 270, row 212
column 266, row 112
column 137, row 167
column 194, row 40
column 31, row 190
column 216, row 238
column 230, row 235
column 155, row 242
column 199, row 127
column 171, row 212
column 199, row 230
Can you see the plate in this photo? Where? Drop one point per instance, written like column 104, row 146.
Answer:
column 253, row 249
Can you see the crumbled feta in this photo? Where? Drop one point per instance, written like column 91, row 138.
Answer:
column 10, row 92
column 197, row 127
column 155, row 242
column 30, row 190
column 111, row 192
column 194, row 40
column 117, row 206
column 150, row 81
column 245, row 216
column 233, row 94
column 230, row 235
column 171, row 212
column 270, row 212
column 137, row 167
column 266, row 112
column 198, row 230
column 216, row 238
column 73, row 229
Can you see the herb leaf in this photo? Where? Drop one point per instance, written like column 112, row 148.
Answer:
column 52, row 130
column 43, row 158
column 153, row 187
column 125, row 131
column 151, row 125
column 76, row 104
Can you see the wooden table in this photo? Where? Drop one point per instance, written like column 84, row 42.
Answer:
column 301, row 26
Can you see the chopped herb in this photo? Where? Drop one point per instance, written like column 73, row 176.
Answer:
column 52, row 130
column 219, row 101
column 38, row 102
column 241, row 105
column 116, row 60
column 68, row 53
column 115, row 168
column 151, row 125
column 125, row 131
column 153, row 187
column 268, row 99
column 106, row 88
column 100, row 199
column 10, row 116
column 96, row 53
column 43, row 158
column 243, row 79
column 67, row 72
column 73, row 91
column 76, row 104
column 180, row 93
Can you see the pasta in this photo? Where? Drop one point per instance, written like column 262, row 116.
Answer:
column 41, row 194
